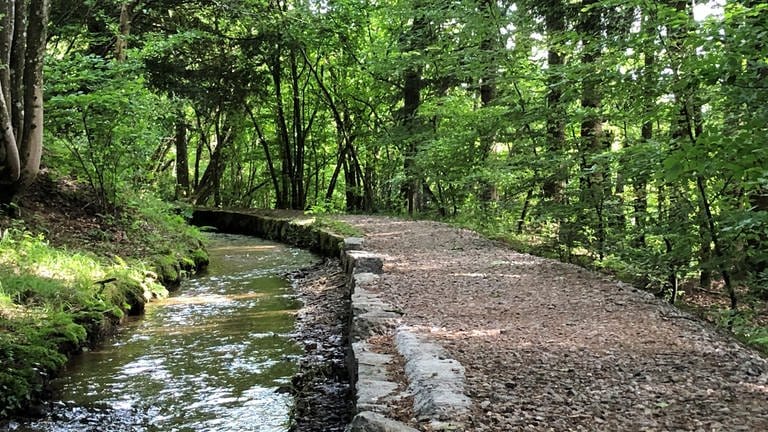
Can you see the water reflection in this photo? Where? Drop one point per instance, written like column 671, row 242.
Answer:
column 213, row 358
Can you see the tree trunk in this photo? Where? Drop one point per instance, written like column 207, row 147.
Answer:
column 640, row 180
column 554, row 18
column 210, row 183
column 21, row 111
column 415, row 41
column 283, row 136
column 182, row 158
column 594, row 175
column 299, row 138
column 412, row 101
column 490, row 51
column 267, row 153
column 121, row 45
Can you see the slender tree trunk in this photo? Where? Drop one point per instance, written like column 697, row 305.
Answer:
column 554, row 18
column 124, row 31
column 297, row 174
column 524, row 211
column 210, row 183
column 268, row 155
column 18, row 63
column 490, row 50
column 594, row 177
column 650, row 78
column 412, row 101
column 9, row 150
column 335, row 176
column 182, row 158
column 283, row 136
column 416, row 41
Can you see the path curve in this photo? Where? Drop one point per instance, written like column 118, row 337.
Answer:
column 551, row 346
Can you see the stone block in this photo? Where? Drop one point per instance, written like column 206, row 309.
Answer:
column 436, row 381
column 353, row 243
column 376, row 322
column 362, row 262
column 367, row 421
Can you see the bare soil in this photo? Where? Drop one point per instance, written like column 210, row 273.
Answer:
column 551, row 346
column 66, row 213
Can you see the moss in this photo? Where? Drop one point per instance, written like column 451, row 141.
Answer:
column 199, row 258
column 167, row 269
column 63, row 287
column 53, row 302
column 338, row 227
column 33, row 348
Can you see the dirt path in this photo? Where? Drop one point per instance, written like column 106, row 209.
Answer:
column 550, row 346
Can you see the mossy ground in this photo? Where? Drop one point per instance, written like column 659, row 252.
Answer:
column 69, row 273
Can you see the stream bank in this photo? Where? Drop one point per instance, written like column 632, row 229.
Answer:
column 344, row 381
column 218, row 355
column 321, row 387
column 70, row 275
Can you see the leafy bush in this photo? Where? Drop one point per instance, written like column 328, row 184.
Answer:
column 104, row 125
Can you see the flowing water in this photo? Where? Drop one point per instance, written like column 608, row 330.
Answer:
column 217, row 356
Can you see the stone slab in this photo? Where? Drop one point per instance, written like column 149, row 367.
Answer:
column 353, row 243
column 367, row 421
column 357, row 261
column 436, row 381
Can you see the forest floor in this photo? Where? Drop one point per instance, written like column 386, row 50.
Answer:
column 552, row 346
column 66, row 213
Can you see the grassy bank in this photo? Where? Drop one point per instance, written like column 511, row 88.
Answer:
column 70, row 274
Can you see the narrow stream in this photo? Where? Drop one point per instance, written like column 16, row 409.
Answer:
column 217, row 356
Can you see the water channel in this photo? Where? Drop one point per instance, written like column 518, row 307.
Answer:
column 217, row 356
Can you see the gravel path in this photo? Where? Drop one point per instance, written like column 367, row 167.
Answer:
column 550, row 346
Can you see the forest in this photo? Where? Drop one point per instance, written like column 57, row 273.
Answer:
column 628, row 136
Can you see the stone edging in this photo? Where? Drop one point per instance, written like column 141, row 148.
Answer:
column 435, row 381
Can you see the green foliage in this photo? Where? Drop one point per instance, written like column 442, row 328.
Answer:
column 52, row 302
column 105, row 126
column 635, row 145
column 741, row 323
column 323, row 207
column 164, row 227
column 31, row 348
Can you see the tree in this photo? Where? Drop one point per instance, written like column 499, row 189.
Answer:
column 22, row 51
column 554, row 16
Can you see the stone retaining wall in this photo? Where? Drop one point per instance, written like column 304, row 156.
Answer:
column 375, row 390
column 297, row 231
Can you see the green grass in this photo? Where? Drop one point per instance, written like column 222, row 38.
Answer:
column 52, row 301
column 336, row 226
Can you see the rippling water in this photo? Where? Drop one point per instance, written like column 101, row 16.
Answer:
column 215, row 357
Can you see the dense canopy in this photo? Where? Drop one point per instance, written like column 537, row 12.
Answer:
column 627, row 134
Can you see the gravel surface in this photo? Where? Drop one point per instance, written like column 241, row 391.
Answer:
column 551, row 346
column 321, row 387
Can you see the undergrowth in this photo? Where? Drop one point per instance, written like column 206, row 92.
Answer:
column 56, row 297
column 336, row 226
